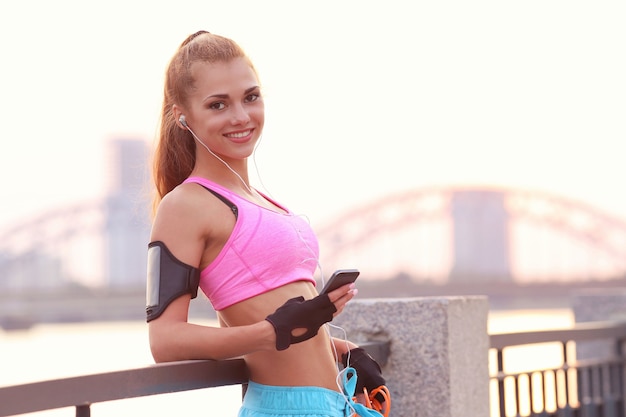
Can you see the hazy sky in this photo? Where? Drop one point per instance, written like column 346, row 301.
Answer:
column 363, row 98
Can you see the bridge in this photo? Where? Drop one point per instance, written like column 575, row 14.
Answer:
column 94, row 252
column 433, row 235
column 478, row 234
column 69, row 264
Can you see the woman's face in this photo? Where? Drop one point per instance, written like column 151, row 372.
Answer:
column 226, row 108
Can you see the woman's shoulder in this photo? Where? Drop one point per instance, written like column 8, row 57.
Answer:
column 189, row 210
column 182, row 199
column 192, row 202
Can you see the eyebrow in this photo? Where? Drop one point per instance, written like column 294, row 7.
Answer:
column 224, row 96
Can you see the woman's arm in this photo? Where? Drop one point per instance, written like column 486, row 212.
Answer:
column 189, row 223
column 341, row 346
column 172, row 338
column 369, row 374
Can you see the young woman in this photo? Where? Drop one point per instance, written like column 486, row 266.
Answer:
column 253, row 258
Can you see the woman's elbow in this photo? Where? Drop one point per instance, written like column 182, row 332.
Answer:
column 159, row 346
column 158, row 354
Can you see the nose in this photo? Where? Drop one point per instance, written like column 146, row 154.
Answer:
column 240, row 115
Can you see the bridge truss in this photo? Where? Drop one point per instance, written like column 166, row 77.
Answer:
column 549, row 238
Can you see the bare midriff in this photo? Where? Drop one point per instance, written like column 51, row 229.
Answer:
column 309, row 363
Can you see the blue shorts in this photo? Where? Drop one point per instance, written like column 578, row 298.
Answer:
column 273, row 401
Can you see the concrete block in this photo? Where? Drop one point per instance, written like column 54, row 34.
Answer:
column 438, row 364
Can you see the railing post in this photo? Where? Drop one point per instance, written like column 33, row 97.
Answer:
column 438, row 364
column 567, row 407
column 500, row 359
column 621, row 374
column 83, row 410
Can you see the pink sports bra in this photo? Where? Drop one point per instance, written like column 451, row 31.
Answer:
column 265, row 250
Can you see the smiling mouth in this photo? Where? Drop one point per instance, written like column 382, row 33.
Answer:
column 239, row 135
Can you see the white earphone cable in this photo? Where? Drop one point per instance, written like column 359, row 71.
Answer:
column 313, row 258
column 218, row 158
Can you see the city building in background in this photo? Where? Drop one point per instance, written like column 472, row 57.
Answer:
column 480, row 224
column 93, row 244
column 127, row 207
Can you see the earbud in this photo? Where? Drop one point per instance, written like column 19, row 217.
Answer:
column 182, row 120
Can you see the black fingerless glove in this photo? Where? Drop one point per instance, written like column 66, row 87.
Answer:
column 368, row 371
column 297, row 313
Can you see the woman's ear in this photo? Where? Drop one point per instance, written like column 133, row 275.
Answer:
column 179, row 117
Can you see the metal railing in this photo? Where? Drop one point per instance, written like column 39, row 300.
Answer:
column 83, row 391
column 578, row 386
column 587, row 386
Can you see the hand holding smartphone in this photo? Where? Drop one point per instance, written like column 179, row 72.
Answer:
column 339, row 278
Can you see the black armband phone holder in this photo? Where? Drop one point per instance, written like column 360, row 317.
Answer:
column 168, row 279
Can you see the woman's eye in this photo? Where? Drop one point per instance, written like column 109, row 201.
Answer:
column 217, row 105
column 252, row 97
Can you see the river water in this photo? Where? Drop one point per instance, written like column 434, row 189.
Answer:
column 63, row 350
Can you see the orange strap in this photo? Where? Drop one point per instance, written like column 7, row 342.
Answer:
column 372, row 402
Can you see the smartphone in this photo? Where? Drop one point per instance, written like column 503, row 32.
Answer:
column 339, row 278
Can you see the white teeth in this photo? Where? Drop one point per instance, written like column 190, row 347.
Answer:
column 239, row 135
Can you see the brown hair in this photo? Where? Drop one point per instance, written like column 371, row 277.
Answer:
column 175, row 156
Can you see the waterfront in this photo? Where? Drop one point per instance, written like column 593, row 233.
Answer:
column 55, row 351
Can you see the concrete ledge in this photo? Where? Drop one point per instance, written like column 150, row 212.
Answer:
column 438, row 366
